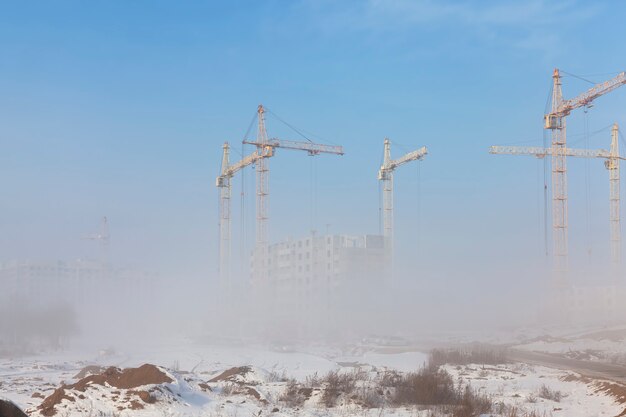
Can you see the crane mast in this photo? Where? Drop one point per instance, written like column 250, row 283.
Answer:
column 612, row 164
column 262, row 188
column 385, row 175
column 555, row 121
column 223, row 183
column 559, row 186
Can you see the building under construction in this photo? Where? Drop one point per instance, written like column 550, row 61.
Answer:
column 314, row 265
column 318, row 264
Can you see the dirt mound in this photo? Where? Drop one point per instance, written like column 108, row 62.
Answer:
column 8, row 409
column 617, row 391
column 145, row 396
column 230, row 374
column 47, row 406
column 612, row 389
column 123, row 379
column 254, row 393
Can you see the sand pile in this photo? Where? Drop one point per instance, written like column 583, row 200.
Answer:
column 123, row 379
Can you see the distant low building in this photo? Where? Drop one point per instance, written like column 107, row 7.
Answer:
column 43, row 282
column 78, row 282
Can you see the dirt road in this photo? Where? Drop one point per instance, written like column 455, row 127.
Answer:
column 591, row 369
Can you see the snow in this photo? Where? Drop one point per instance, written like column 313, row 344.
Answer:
column 191, row 364
column 404, row 361
column 519, row 384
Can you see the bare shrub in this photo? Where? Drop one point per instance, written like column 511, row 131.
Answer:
column 293, row 396
column 472, row 404
column 549, row 394
column 313, row 381
column 432, row 386
column 336, row 384
column 370, row 397
column 276, row 377
column 427, row 387
column 475, row 353
column 390, row 378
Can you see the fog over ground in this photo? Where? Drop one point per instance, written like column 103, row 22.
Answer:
column 121, row 109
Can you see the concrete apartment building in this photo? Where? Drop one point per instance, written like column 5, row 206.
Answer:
column 305, row 280
column 313, row 264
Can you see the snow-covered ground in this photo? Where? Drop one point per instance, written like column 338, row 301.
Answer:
column 520, row 385
column 191, row 368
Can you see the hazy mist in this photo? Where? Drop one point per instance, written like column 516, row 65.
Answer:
column 120, row 110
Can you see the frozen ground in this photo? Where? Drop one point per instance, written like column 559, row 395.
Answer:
column 522, row 386
column 191, row 367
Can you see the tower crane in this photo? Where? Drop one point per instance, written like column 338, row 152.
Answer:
column 612, row 158
column 385, row 175
column 224, row 185
column 265, row 149
column 555, row 121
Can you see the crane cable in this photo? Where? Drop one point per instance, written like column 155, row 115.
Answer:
column 545, row 178
column 587, row 189
column 242, row 203
column 419, row 209
column 313, row 185
column 288, row 125
column 578, row 76
column 313, row 170
column 301, row 132
column 245, row 136
column 545, row 197
column 589, row 135
column 242, row 216
column 380, row 198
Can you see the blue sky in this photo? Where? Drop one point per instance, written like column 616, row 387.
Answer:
column 120, row 109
